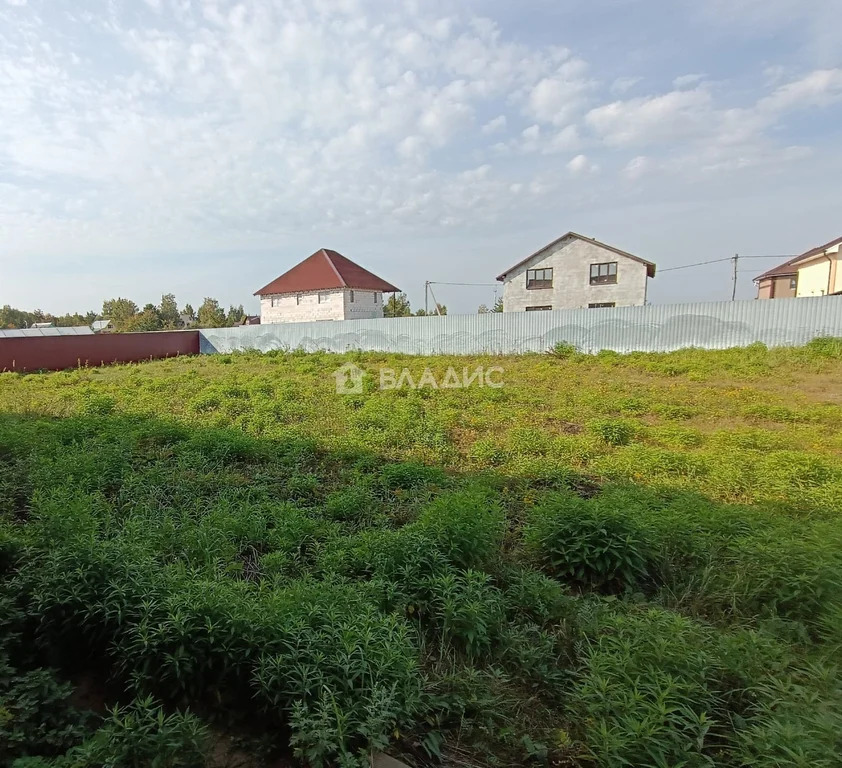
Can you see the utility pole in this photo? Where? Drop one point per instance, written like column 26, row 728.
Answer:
column 734, row 287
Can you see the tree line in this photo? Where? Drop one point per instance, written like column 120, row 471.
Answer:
column 398, row 305
column 126, row 316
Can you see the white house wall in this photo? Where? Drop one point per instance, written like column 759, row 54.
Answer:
column 320, row 305
column 571, row 261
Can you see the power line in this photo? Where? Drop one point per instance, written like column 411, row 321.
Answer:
column 719, row 261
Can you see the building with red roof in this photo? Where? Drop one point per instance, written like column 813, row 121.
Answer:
column 813, row 273
column 325, row 286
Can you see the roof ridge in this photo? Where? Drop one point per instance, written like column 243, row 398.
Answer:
column 326, row 253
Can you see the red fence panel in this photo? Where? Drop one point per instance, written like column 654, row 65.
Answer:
column 55, row 353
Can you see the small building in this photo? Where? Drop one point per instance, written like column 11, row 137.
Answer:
column 575, row 272
column 101, row 326
column 325, row 286
column 813, row 273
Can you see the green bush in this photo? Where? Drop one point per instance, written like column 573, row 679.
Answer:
column 467, row 526
column 586, row 545
column 613, row 431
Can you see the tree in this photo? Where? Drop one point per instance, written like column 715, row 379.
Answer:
column 120, row 312
column 483, row 310
column 498, row 305
column 189, row 312
column 236, row 315
column 211, row 315
column 147, row 320
column 168, row 312
column 397, row 305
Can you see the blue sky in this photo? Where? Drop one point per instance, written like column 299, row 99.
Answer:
column 204, row 146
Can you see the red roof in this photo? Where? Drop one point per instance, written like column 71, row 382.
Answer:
column 650, row 267
column 324, row 270
column 789, row 267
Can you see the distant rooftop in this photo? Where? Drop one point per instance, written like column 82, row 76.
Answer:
column 13, row 333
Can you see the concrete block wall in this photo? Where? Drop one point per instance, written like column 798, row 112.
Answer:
column 311, row 306
column 571, row 261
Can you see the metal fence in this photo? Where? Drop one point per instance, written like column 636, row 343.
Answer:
column 654, row 328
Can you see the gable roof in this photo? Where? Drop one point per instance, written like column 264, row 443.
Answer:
column 650, row 267
column 324, row 270
column 789, row 268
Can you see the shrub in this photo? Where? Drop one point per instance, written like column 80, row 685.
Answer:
column 586, row 545
column 143, row 734
column 613, row 431
column 467, row 526
column 563, row 350
column 825, row 347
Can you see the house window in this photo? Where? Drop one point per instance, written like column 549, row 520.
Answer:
column 546, row 308
column 322, row 298
column 352, row 296
column 375, row 297
column 793, row 283
column 601, row 304
column 297, row 299
column 539, row 278
column 604, row 273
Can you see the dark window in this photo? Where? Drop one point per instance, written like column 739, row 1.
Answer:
column 538, row 309
column 539, row 278
column 793, row 283
column 352, row 297
column 604, row 273
column 601, row 304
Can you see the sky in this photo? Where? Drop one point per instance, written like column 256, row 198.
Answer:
column 203, row 147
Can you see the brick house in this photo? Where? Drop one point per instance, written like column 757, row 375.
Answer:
column 813, row 273
column 325, row 286
column 575, row 272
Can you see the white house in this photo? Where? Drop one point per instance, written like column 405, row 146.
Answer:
column 574, row 272
column 325, row 286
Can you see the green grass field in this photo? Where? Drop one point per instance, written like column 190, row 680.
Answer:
column 610, row 561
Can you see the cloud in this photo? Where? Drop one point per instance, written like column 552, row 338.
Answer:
column 637, row 167
column 817, row 89
column 558, row 99
column 686, row 80
column 674, row 115
column 581, row 166
column 623, row 84
column 495, row 126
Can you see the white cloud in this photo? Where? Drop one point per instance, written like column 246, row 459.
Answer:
column 817, row 89
column 623, row 84
column 671, row 116
column 684, row 81
column 581, row 166
column 637, row 167
column 495, row 126
column 560, row 98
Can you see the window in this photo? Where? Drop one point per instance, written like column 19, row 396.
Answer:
column 352, row 296
column 375, row 297
column 793, row 283
column 604, row 273
column 539, row 278
column 539, row 309
column 323, row 298
column 297, row 298
column 601, row 305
